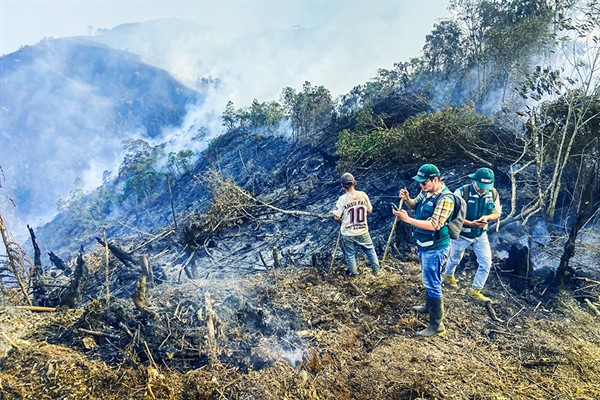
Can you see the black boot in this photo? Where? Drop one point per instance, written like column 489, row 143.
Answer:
column 436, row 315
column 421, row 309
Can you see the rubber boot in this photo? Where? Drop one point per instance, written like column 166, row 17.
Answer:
column 450, row 281
column 421, row 309
column 476, row 295
column 436, row 315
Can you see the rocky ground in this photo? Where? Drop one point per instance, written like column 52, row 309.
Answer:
column 305, row 333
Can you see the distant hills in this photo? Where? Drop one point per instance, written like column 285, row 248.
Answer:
column 66, row 107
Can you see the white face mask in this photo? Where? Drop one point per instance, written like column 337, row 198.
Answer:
column 479, row 190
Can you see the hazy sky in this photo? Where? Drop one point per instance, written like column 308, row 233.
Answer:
column 26, row 22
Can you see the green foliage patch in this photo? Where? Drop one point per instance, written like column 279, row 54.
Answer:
column 443, row 135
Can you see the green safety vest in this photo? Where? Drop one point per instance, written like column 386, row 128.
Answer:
column 430, row 240
column 477, row 207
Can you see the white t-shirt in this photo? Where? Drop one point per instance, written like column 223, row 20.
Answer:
column 353, row 207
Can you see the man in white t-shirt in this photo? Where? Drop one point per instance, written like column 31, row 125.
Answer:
column 351, row 211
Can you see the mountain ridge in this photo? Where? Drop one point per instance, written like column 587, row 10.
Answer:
column 67, row 105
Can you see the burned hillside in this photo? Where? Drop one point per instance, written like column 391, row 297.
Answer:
column 243, row 300
column 220, row 274
column 303, row 333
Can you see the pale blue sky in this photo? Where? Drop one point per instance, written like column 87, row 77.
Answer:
column 26, row 22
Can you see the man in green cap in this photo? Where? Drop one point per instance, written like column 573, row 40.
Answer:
column 483, row 206
column 433, row 207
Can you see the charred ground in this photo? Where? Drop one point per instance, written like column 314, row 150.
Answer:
column 304, row 333
column 299, row 331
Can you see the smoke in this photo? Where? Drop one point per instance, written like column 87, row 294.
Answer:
column 239, row 66
column 77, row 126
column 66, row 109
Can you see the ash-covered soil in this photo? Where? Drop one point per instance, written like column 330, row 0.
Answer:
column 304, row 333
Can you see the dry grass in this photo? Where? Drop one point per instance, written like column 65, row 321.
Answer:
column 356, row 341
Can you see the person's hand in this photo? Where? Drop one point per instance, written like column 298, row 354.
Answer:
column 481, row 222
column 404, row 195
column 401, row 214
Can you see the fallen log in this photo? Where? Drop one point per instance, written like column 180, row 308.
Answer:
column 36, row 308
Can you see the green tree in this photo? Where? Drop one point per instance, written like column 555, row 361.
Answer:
column 139, row 172
column 309, row 110
column 500, row 36
column 444, row 135
column 179, row 162
column 229, row 117
column 441, row 52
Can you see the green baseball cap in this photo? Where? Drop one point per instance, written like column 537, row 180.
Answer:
column 427, row 171
column 484, row 178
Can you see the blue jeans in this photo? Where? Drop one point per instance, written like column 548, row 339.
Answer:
column 365, row 243
column 431, row 269
column 483, row 252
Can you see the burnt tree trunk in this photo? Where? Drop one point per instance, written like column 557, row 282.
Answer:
column 59, row 263
column 147, row 270
column 403, row 239
column 139, row 294
column 211, row 341
column 145, row 279
column 127, row 259
column 518, row 264
column 564, row 270
column 37, row 284
column 276, row 262
column 74, row 292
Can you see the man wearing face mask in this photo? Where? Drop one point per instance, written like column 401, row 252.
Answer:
column 483, row 206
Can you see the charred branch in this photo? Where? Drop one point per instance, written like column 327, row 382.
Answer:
column 291, row 258
column 127, row 259
column 262, row 259
column 73, row 295
column 59, row 263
